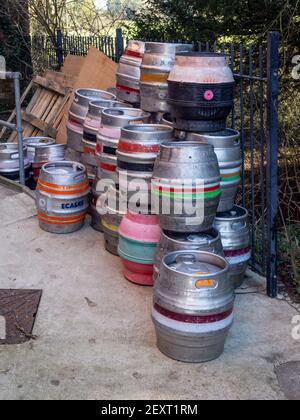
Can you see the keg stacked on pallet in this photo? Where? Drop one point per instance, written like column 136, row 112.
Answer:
column 139, row 232
column 129, row 72
column 200, row 97
column 112, row 121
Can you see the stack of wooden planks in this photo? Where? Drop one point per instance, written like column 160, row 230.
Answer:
column 44, row 112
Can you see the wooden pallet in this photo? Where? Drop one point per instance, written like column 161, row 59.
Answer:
column 45, row 110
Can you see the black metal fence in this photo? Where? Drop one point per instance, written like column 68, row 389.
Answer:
column 255, row 115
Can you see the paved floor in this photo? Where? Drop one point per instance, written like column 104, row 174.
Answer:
column 95, row 335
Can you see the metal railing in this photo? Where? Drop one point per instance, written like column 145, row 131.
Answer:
column 18, row 127
column 255, row 115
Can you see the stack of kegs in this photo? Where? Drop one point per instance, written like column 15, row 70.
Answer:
column 77, row 115
column 112, row 121
column 137, row 151
column 200, row 98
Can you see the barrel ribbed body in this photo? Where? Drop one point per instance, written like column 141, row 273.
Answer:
column 34, row 143
column 209, row 241
column 129, row 72
column 139, row 236
column 228, row 150
column 62, row 197
column 200, row 92
column 91, row 128
column 193, row 306
column 112, row 208
column 9, row 162
column 78, row 112
column 72, row 155
column 158, row 61
column 45, row 154
column 186, row 185
column 113, row 120
column 235, row 235
column 138, row 149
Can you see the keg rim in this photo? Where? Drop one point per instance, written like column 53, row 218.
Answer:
column 98, row 103
column 203, row 54
column 121, row 112
column 213, row 232
column 148, row 128
column 30, row 141
column 61, row 163
column 221, row 216
column 55, row 146
column 185, row 145
column 79, row 93
column 228, row 132
column 224, row 269
column 11, row 146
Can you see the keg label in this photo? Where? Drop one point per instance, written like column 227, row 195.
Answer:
column 75, row 205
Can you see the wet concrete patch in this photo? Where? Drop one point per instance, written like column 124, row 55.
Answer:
column 288, row 375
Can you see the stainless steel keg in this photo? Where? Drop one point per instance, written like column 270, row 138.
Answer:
column 129, row 72
column 62, row 197
column 209, row 241
column 78, row 112
column 138, row 149
column 157, row 63
column 34, row 143
column 227, row 147
column 52, row 153
column 235, row 235
column 193, row 306
column 113, row 120
column 186, row 184
column 9, row 162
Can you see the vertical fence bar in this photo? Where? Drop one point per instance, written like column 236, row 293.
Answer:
column 262, row 154
column 242, row 129
column 272, row 161
column 59, row 49
column 119, row 44
column 252, row 145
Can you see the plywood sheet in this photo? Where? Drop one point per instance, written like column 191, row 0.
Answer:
column 98, row 72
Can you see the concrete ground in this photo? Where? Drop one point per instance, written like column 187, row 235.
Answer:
column 95, row 336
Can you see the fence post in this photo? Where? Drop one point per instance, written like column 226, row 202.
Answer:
column 119, row 44
column 59, row 49
column 272, row 161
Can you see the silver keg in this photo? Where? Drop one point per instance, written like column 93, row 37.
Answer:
column 227, row 147
column 9, row 162
column 44, row 154
column 158, row 60
column 209, row 241
column 62, row 197
column 234, row 229
column 193, row 306
column 113, row 120
column 129, row 72
column 34, row 143
column 78, row 112
column 112, row 207
column 138, row 149
column 186, row 186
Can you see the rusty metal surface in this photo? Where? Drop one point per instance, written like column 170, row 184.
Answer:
column 18, row 310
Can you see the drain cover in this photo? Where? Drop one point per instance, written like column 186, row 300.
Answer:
column 18, row 310
column 288, row 375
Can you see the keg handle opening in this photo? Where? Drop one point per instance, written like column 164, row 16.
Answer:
column 238, row 225
column 14, row 156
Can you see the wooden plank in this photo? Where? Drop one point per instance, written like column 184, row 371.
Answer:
column 64, row 80
column 103, row 78
column 39, row 124
column 51, row 85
